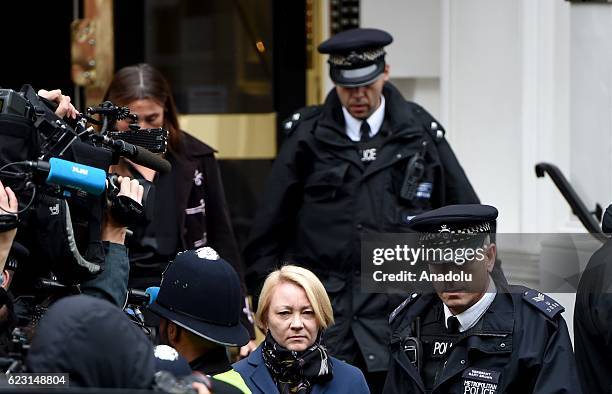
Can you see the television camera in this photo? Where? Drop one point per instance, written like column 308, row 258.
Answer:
column 59, row 170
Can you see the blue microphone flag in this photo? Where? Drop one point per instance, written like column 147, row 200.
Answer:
column 77, row 176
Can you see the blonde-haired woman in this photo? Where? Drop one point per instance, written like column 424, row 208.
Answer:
column 293, row 311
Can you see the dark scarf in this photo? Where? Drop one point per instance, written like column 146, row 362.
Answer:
column 296, row 372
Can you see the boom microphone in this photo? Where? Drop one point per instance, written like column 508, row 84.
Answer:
column 148, row 159
column 137, row 154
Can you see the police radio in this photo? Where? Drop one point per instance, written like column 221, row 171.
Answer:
column 414, row 173
column 412, row 347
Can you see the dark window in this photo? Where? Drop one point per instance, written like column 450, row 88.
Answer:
column 217, row 54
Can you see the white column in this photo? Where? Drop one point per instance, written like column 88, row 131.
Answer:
column 481, row 98
column 545, row 112
column 504, row 92
column 591, row 102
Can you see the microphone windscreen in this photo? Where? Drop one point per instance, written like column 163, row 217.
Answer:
column 78, row 176
column 152, row 292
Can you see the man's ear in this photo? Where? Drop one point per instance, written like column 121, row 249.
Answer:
column 491, row 256
column 5, row 279
column 172, row 332
column 386, row 72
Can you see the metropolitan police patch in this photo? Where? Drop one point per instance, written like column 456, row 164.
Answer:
column 480, row 381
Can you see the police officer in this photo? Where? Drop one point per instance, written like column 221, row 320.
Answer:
column 199, row 304
column 366, row 160
column 476, row 335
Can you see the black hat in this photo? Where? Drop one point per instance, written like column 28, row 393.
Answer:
column 464, row 225
column 356, row 56
column 200, row 292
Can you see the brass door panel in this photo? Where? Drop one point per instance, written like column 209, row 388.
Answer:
column 235, row 136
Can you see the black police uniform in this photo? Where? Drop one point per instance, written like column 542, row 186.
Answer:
column 323, row 194
column 519, row 345
column 593, row 323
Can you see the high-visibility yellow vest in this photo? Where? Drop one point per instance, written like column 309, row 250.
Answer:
column 232, row 377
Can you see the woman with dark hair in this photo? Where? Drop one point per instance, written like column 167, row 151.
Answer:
column 190, row 210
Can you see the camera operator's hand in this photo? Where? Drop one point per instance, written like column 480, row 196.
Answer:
column 112, row 230
column 8, row 205
column 111, row 284
column 64, row 107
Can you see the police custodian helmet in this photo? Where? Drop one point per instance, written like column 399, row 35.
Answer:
column 201, row 293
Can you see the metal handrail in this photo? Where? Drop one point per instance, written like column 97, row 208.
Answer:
column 585, row 216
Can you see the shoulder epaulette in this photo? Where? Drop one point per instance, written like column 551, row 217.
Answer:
column 436, row 131
column 413, row 297
column 301, row 115
column 431, row 125
column 543, row 303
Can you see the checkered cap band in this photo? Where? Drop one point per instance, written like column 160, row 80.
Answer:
column 354, row 58
column 448, row 236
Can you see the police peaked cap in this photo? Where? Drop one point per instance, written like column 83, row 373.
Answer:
column 356, row 56
column 463, row 225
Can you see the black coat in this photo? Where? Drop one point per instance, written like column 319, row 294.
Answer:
column 523, row 347
column 214, row 227
column 593, row 323
column 320, row 198
column 197, row 182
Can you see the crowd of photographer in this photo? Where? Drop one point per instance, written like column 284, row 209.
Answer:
column 86, row 334
column 90, row 338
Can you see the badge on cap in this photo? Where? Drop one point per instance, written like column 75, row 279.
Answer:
column 207, row 253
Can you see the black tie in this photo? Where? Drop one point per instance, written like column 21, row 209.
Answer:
column 452, row 324
column 365, row 131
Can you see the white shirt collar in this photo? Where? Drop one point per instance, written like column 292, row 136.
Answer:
column 353, row 125
column 468, row 318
